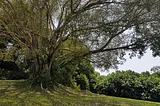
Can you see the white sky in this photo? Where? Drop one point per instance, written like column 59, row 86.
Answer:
column 145, row 63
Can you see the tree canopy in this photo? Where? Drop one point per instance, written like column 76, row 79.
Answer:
column 107, row 28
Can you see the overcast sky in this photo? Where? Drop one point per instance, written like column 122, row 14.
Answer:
column 138, row 65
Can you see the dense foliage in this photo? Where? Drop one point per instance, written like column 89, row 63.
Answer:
column 10, row 71
column 130, row 84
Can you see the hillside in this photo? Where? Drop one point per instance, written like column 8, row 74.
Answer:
column 17, row 93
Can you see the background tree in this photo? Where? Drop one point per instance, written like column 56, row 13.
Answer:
column 130, row 84
column 155, row 69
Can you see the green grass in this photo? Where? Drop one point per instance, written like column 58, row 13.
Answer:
column 17, row 93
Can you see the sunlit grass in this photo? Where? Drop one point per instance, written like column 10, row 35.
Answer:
column 17, row 93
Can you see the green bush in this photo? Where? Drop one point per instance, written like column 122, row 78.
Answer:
column 131, row 85
column 83, row 82
column 10, row 71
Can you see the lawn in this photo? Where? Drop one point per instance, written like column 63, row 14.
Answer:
column 17, row 93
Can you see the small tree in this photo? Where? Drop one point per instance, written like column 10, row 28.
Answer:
column 155, row 69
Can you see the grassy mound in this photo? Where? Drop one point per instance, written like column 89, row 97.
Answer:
column 17, row 93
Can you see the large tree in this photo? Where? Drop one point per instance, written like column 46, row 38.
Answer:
column 107, row 28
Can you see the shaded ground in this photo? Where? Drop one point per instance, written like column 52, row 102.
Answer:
column 17, row 93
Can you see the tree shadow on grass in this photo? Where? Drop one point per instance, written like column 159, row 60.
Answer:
column 13, row 88
column 19, row 93
column 4, row 90
column 22, row 94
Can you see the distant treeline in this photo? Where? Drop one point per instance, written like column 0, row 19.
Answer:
column 130, row 84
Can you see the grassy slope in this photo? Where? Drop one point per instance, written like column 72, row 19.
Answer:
column 16, row 93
